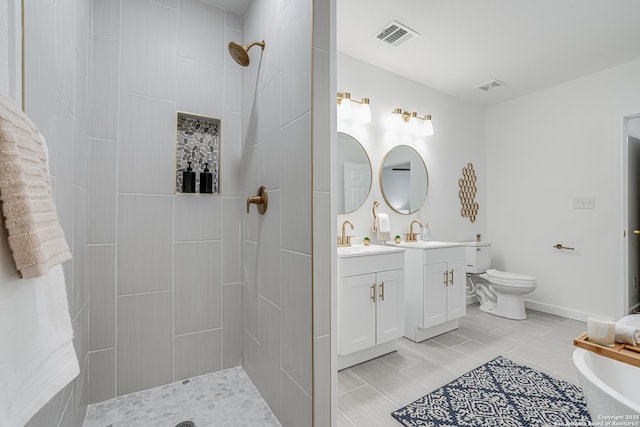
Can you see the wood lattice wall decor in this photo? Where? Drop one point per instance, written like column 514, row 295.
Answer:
column 468, row 193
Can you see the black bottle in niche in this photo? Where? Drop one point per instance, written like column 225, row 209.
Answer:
column 206, row 180
column 188, row 180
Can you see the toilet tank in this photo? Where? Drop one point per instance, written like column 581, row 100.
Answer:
column 478, row 257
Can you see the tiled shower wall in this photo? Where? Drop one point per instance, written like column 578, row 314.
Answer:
column 287, row 252
column 324, row 214
column 57, row 52
column 163, row 269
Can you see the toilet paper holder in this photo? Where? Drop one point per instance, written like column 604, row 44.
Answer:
column 561, row 246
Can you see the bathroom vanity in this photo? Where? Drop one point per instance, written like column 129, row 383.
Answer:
column 435, row 292
column 371, row 302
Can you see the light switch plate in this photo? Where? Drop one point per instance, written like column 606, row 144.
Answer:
column 584, row 203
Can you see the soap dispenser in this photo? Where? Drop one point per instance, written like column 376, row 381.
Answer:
column 426, row 233
column 188, row 180
column 206, row 180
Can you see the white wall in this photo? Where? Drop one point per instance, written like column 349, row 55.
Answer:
column 458, row 140
column 543, row 150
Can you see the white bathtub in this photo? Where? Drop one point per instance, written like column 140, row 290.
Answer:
column 612, row 388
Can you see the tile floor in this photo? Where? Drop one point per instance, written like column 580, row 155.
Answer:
column 223, row 398
column 370, row 391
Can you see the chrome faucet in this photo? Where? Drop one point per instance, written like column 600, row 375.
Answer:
column 345, row 240
column 411, row 236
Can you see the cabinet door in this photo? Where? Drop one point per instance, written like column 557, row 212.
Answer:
column 390, row 305
column 357, row 313
column 456, row 291
column 436, row 277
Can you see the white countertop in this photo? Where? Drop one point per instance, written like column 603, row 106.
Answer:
column 421, row 244
column 362, row 250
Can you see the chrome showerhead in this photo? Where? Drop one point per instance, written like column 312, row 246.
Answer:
column 240, row 53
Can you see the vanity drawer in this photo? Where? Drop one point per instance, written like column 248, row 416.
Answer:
column 352, row 266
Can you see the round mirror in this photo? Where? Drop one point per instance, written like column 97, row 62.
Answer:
column 403, row 179
column 354, row 174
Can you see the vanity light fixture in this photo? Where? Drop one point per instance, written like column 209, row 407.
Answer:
column 345, row 111
column 410, row 122
column 427, row 125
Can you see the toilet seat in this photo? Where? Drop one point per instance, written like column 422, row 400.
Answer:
column 505, row 278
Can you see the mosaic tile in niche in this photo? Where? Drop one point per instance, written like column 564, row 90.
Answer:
column 198, row 142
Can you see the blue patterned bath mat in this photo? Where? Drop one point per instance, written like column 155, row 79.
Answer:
column 499, row 393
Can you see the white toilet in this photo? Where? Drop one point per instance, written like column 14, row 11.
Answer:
column 499, row 292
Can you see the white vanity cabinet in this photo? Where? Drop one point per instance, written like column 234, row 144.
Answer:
column 435, row 291
column 370, row 303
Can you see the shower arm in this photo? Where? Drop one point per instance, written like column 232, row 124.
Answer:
column 252, row 44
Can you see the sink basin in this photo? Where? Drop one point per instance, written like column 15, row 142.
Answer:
column 360, row 250
column 421, row 244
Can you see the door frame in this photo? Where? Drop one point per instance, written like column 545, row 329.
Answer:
column 15, row 51
column 625, row 210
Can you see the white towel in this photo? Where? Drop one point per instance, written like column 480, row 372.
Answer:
column 628, row 329
column 383, row 227
column 37, row 357
column 384, row 224
column 36, row 237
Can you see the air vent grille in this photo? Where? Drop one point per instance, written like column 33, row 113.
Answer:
column 396, row 34
column 491, row 84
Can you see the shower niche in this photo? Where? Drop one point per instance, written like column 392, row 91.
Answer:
column 197, row 154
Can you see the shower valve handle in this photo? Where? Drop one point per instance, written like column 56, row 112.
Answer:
column 261, row 200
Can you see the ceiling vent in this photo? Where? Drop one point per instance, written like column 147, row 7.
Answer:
column 396, row 34
column 491, row 84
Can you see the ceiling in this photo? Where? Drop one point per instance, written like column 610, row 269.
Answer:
column 529, row 45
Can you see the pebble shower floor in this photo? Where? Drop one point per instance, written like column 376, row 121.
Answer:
column 224, row 398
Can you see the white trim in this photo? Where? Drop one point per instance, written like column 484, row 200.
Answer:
column 12, row 52
column 422, row 334
column 624, row 188
column 349, row 360
column 557, row 310
column 624, row 202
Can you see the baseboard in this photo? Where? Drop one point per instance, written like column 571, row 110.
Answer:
column 366, row 354
column 421, row 334
column 471, row 299
column 558, row 311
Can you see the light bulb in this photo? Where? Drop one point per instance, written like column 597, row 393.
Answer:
column 398, row 121
column 414, row 126
column 344, row 108
column 364, row 112
column 427, row 127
